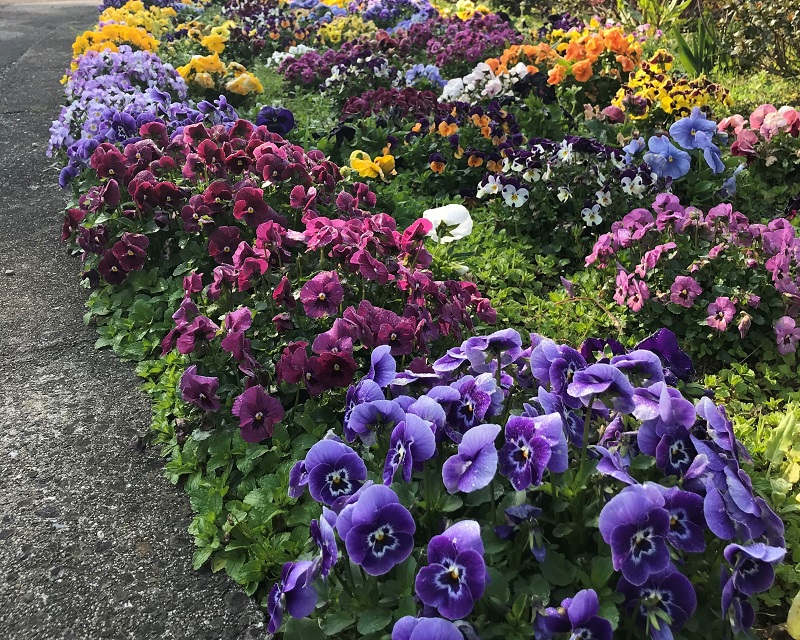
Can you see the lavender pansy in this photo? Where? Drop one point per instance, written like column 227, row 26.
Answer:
column 412, row 441
column 322, row 533
column 605, row 385
column 533, row 445
column 371, row 418
column 382, row 368
column 291, row 593
column 475, row 464
column 410, row 628
column 334, row 470
column 753, row 566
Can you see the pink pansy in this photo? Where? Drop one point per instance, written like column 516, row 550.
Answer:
column 757, row 117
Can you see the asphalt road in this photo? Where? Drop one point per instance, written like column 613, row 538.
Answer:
column 93, row 540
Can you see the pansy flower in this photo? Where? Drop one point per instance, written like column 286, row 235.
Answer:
column 475, row 464
column 412, row 441
column 322, row 533
column 411, row 628
column 198, row 390
column 291, row 593
column 577, row 616
column 258, row 413
column 334, row 470
column 663, row 602
column 381, row 532
column 322, row 295
column 456, row 574
column 533, row 445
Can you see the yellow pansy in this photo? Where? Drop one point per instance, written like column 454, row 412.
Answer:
column 214, row 43
column 244, row 83
column 367, row 168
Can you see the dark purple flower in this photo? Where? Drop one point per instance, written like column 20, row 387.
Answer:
column 555, row 366
column 131, row 250
column 334, row 470
column 276, row 119
column 686, row 520
column 329, row 371
column 753, row 564
column 412, row 441
column 456, row 575
column 322, row 295
column 201, row 328
column 111, row 269
column 381, row 533
column 198, row 390
column 258, row 413
column 504, row 346
column 603, row 384
column 475, row 464
column 410, row 628
column 236, row 323
column 478, row 398
column 222, row 243
column 635, row 524
column 533, row 445
column 291, row 593
column 322, row 533
column 577, row 615
column 666, row 594
column 665, row 345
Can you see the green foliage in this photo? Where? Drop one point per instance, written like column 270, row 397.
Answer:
column 665, row 15
column 701, row 53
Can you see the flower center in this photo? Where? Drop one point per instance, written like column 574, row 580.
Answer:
column 259, row 416
column 322, row 297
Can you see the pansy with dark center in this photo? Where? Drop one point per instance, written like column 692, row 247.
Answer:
column 456, row 574
column 258, row 413
column 635, row 524
column 663, row 602
column 412, row 441
column 200, row 391
column 381, row 533
column 365, row 391
column 334, row 470
column 686, row 520
column 533, row 445
column 753, row 566
column 473, row 406
column 322, row 295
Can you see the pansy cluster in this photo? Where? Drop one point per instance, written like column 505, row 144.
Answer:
column 731, row 275
column 498, row 418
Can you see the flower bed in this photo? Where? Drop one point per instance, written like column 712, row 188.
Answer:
column 403, row 401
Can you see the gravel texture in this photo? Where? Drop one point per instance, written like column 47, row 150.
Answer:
column 93, row 540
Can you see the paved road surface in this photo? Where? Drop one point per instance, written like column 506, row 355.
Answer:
column 93, row 540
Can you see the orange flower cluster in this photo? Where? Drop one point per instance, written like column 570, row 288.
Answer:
column 579, row 53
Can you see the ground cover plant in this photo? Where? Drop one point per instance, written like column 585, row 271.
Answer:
column 455, row 324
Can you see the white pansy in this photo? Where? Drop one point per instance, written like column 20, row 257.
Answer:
column 515, row 197
column 564, row 152
column 532, row 175
column 453, row 216
column 563, row 194
column 591, row 216
column 603, row 197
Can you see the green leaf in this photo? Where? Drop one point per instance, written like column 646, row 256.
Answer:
column 557, row 569
column 373, row 620
column 602, row 570
column 303, row 629
column 200, row 556
column 337, row 622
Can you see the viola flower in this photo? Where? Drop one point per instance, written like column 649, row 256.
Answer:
column 382, row 366
column 665, row 345
column 475, row 400
column 448, row 223
column 334, row 470
column 322, row 533
column 322, row 295
column 381, row 534
column 577, row 615
column 130, row 250
column 258, row 413
column 663, row 602
column 236, row 323
column 533, row 445
column 736, row 607
column 686, row 520
column 591, row 215
column 249, row 206
column 412, row 441
column 515, row 197
column 684, row 291
column 788, row 335
column 635, row 524
column 685, row 131
column 475, row 464
column 604, row 383
column 110, row 268
column 201, row 328
column 277, row 120
column 222, row 244
column 411, row 628
column 504, row 346
column 665, row 159
column 292, row 593
column 329, row 371
column 456, row 574
column 720, row 313
column 198, row 390
column 753, row 564
column 371, row 418
column 643, row 368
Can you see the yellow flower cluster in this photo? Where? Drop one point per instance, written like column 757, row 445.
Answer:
column 345, row 28
column 653, row 88
column 209, row 72
column 110, row 36
column 218, row 37
column 464, row 9
column 336, row 3
column 155, row 20
column 382, row 166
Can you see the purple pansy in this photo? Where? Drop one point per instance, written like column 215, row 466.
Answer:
column 475, row 402
column 475, row 464
column 720, row 313
column 684, row 291
column 258, row 413
column 686, row 520
column 642, row 367
column 753, row 564
column 665, row 159
column 605, row 384
column 410, row 628
column 364, row 392
column 381, row 533
column 664, row 344
column 577, row 616
column 322, row 295
column 667, row 593
column 504, row 346
column 382, row 367
column 200, row 391
column 412, row 441
column 635, row 524
column 322, row 533
column 370, row 418
column 787, row 334
column 334, row 470
column 291, row 593
column 533, row 445
column 456, row 575
column 685, row 130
